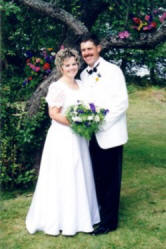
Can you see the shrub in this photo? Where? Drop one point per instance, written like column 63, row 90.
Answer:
column 21, row 140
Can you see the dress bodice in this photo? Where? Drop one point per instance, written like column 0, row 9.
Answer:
column 61, row 95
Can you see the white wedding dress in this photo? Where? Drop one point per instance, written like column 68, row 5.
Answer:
column 65, row 199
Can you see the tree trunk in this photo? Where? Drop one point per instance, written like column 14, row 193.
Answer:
column 33, row 103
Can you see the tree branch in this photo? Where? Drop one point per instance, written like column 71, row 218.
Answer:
column 51, row 10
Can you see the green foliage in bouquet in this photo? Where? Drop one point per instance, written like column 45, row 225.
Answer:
column 85, row 119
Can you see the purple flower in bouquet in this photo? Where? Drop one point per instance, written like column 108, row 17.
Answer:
column 92, row 107
column 87, row 124
column 80, row 111
column 105, row 111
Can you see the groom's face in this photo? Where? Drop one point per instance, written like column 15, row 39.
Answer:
column 90, row 52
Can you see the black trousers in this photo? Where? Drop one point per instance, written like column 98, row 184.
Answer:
column 107, row 169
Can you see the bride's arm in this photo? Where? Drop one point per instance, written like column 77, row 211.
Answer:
column 55, row 114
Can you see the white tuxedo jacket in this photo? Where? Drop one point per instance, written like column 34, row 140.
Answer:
column 107, row 88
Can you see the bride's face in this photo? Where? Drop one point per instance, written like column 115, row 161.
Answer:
column 69, row 67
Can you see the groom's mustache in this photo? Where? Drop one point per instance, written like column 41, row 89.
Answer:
column 88, row 55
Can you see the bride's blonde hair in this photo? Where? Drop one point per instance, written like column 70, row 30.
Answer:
column 64, row 54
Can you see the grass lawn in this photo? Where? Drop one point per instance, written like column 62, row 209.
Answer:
column 143, row 197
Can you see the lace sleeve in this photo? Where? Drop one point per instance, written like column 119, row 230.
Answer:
column 55, row 95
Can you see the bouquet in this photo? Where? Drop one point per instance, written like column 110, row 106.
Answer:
column 85, row 119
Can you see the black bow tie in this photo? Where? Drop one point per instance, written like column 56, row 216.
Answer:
column 93, row 70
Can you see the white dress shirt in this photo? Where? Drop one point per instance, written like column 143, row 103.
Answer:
column 107, row 88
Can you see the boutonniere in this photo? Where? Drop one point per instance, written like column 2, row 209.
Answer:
column 98, row 77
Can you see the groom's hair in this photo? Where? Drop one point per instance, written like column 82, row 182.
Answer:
column 89, row 37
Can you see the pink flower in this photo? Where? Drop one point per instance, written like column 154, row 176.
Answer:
column 62, row 46
column 152, row 25
column 163, row 17
column 155, row 12
column 147, row 18
column 124, row 34
column 31, row 66
column 135, row 27
column 27, row 61
column 37, row 69
column 147, row 28
column 37, row 60
column 136, row 20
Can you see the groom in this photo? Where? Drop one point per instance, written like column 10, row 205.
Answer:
column 107, row 88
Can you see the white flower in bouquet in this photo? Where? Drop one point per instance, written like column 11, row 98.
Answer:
column 90, row 118
column 97, row 118
column 76, row 119
column 97, row 109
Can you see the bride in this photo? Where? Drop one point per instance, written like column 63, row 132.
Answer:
column 64, row 200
